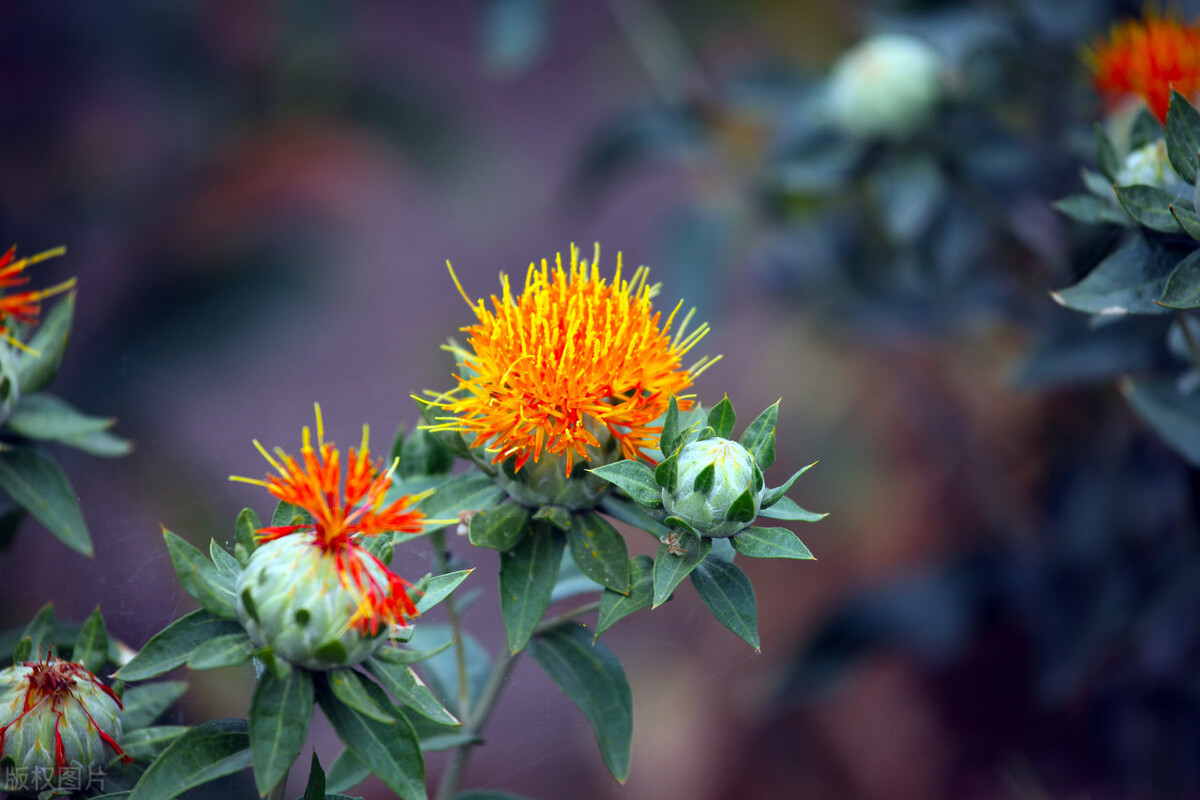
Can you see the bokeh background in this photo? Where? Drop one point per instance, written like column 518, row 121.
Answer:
column 259, row 198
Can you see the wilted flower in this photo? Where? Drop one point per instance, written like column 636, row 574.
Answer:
column 312, row 592
column 1148, row 58
column 57, row 721
column 886, row 87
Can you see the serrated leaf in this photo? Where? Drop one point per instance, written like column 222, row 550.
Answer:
column 1183, row 136
column 771, row 496
column 1150, row 206
column 35, row 481
column 668, row 441
column 786, row 509
column 208, row 751
column 758, row 542
column 351, row 689
column 144, row 704
column 243, row 530
column 91, row 645
column 614, row 606
column 146, row 744
column 722, row 418
column 280, row 713
column 1183, row 286
column 727, row 592
column 592, row 678
column 1127, row 282
column 669, row 569
column 527, row 576
column 404, row 685
column 37, row 368
column 439, row 588
column 599, row 551
column 230, row 650
column 635, row 479
column 198, row 576
column 174, row 644
column 392, row 749
column 501, row 527
column 469, row 492
column 759, row 437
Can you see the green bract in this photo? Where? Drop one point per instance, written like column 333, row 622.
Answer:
column 291, row 598
column 713, row 474
column 546, row 483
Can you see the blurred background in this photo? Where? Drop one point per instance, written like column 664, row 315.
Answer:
column 259, row 198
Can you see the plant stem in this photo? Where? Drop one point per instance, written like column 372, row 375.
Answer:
column 474, row 721
column 442, row 554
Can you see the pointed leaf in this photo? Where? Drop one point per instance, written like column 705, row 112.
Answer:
column 727, row 592
column 786, row 509
column 280, row 714
column 1183, row 286
column 614, row 606
column 1172, row 415
column 391, row 749
column 705, row 479
column 288, row 514
column 722, row 418
column 91, row 646
column 347, row 771
column 38, row 484
column 404, row 684
column 44, row 416
column 146, row 744
column 557, row 516
column 243, row 530
column 174, row 644
column 770, row 543
column 1092, row 210
column 1127, row 282
column 599, row 551
column 759, row 437
column 666, row 474
column 315, row 789
column 1150, row 206
column 469, row 492
column 527, row 576
column 144, row 704
column 742, row 509
column 199, row 578
column 351, row 689
column 226, row 564
column 772, row 496
column 500, row 528
column 208, row 751
column 1188, row 220
column 1146, row 129
column 1183, row 136
column 49, row 342
column 592, row 678
column 229, row 650
column 635, row 479
column 668, row 441
column 39, row 632
column 439, row 588
column 669, row 570
column 1106, row 155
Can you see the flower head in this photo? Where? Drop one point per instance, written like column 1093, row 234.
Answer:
column 570, row 361
column 24, row 306
column 341, row 516
column 1148, row 58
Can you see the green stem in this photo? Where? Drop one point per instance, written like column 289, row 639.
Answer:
column 442, row 554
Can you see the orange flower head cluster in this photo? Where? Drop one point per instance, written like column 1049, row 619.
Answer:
column 23, row 306
column 341, row 515
column 1148, row 58
column 573, row 356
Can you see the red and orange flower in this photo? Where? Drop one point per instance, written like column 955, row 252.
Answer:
column 1147, row 59
column 572, row 359
column 25, row 306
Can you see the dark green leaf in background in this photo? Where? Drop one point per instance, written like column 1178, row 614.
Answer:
column 1183, row 136
column 1171, row 414
column 1183, row 286
column 1127, row 282
column 35, row 480
column 1150, row 206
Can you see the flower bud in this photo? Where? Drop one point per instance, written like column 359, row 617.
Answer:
column 886, row 87
column 57, row 723
column 545, row 483
column 314, row 606
column 1149, row 166
column 712, row 475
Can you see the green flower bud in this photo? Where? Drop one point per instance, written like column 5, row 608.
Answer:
column 713, row 475
column 315, row 607
column 1150, row 166
column 57, row 723
column 887, row 87
column 545, row 483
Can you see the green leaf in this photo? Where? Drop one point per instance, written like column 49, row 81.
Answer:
column 593, row 679
column 631, row 514
column 146, row 744
column 669, row 439
column 91, row 646
column 23, row 651
column 229, row 650
column 39, row 633
column 243, row 530
column 1183, row 136
column 1150, row 206
column 403, row 684
column 614, row 606
column 280, row 714
column 315, row 789
column 469, row 492
column 1091, row 210
column 44, row 416
column 434, row 736
column 558, row 516
column 759, row 438
column 350, row 688
column 1188, row 220
column 174, row 644
column 666, row 474
column 439, row 588
column 599, row 551
column 401, row 655
column 571, row 581
column 286, row 514
column 786, row 509
column 212, row 589
column 772, row 496
column 489, row 795
column 38, row 484
column 49, row 342
column 727, row 592
column 102, row 444
column 1183, row 286
column 500, row 528
column 742, row 509
column 346, row 772
column 527, row 576
column 422, row 454
column 144, row 704
column 392, row 750
column 1106, row 154
column 1146, row 129
column 705, row 479
column 441, row 671
column 1172, row 415
column 635, row 479
column 225, row 563
column 770, row 543
column 1127, row 282
column 208, row 751
column 669, row 570
column 722, row 418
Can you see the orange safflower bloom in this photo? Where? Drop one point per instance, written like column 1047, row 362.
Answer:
column 24, row 306
column 572, row 357
column 1148, row 58
column 341, row 516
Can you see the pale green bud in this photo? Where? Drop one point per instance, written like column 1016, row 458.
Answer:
column 1150, row 166
column 886, row 87
column 712, row 475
